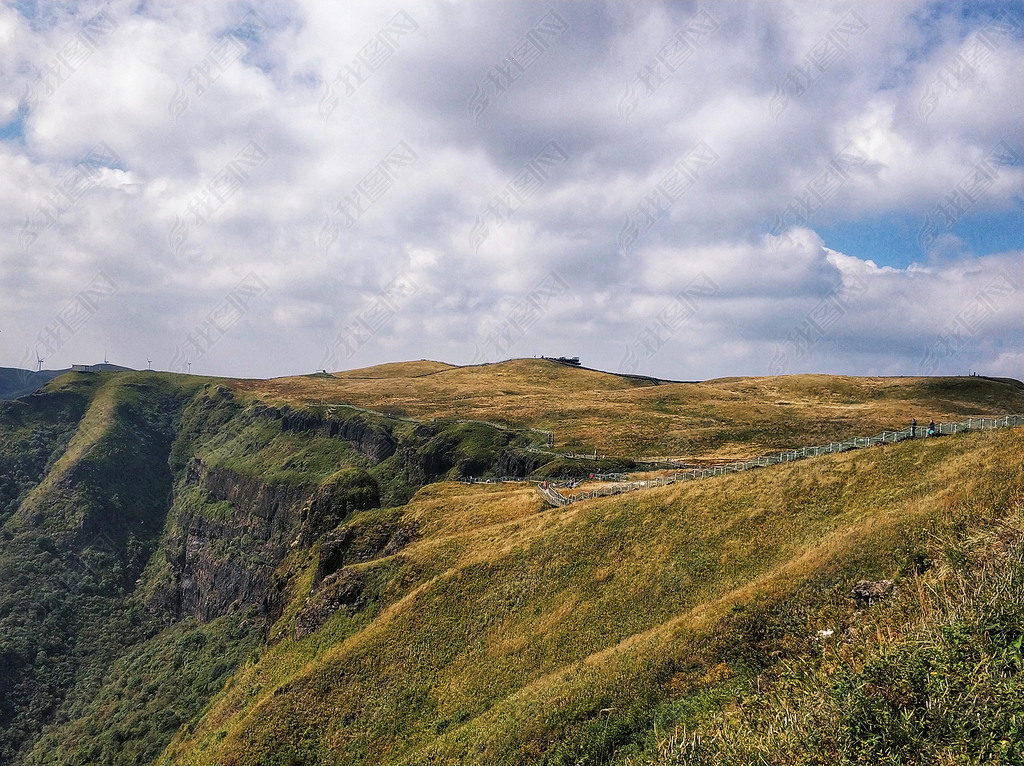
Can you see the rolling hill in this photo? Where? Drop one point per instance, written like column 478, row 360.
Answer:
column 625, row 416
column 214, row 571
column 16, row 382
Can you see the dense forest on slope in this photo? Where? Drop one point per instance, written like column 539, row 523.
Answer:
column 200, row 571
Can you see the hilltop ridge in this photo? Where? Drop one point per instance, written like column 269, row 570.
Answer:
column 616, row 415
column 281, row 571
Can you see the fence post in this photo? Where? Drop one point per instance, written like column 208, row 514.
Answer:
column 766, row 460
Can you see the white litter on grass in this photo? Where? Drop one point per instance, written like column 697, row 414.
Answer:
column 826, row 633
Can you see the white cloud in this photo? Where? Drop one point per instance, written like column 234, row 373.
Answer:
column 420, row 224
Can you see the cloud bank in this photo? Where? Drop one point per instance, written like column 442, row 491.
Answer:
column 688, row 190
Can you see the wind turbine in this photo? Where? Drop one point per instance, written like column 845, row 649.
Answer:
column 39, row 363
column 149, row 363
column 189, row 367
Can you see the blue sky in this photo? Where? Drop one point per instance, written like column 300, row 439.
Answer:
column 688, row 190
column 893, row 240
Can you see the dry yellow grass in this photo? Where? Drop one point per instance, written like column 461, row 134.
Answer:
column 505, row 620
column 729, row 418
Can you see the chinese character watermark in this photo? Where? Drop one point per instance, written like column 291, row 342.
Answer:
column 818, row 60
column 816, row 324
column 370, row 320
column 70, row 58
column 965, row 195
column 526, row 312
column 517, row 191
column 520, row 57
column 667, row 322
column 370, row 188
column 219, row 59
column 70, row 319
column 669, row 59
column 976, row 50
column 66, row 192
column 968, row 322
column 214, row 195
column 215, row 325
column 669, row 190
column 371, row 57
column 818, row 191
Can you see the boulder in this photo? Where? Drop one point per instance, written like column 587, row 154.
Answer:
column 869, row 592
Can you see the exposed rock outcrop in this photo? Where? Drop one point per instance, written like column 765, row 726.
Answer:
column 513, row 462
column 341, row 590
column 360, row 543
column 233, row 528
column 348, row 491
column 869, row 592
column 377, row 443
column 225, row 561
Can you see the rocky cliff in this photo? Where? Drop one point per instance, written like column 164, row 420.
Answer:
column 133, row 506
column 250, row 493
column 171, row 544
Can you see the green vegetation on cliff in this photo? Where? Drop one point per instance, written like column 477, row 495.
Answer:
column 77, row 540
column 198, row 571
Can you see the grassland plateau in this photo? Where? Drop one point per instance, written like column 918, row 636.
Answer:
column 216, row 571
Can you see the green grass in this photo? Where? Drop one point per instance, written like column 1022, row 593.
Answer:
column 932, row 676
column 72, row 550
column 153, row 688
column 36, row 431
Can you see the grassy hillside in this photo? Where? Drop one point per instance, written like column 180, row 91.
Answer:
column 78, row 532
column 264, row 572
column 629, row 417
column 513, row 634
column 142, row 518
column 15, row 382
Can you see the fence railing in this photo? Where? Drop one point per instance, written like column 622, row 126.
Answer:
column 886, row 437
column 554, row 498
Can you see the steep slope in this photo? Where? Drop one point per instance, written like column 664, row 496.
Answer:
column 526, row 635
column 35, row 431
column 285, row 555
column 15, row 382
column 931, row 674
column 144, row 518
column 78, row 539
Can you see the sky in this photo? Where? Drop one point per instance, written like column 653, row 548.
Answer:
column 685, row 190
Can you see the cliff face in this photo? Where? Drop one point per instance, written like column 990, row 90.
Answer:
column 257, row 486
column 84, row 514
column 160, row 532
column 135, row 505
column 225, row 561
column 375, row 443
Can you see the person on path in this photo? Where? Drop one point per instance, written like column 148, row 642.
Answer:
column 913, row 428
column 931, row 428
